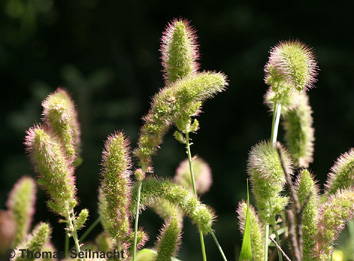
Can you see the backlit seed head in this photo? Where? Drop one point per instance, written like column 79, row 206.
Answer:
column 7, row 231
column 169, row 105
column 268, row 179
column 179, row 50
column 341, row 175
column 202, row 173
column 115, row 187
column 55, row 174
column 291, row 63
column 60, row 116
column 21, row 204
column 307, row 192
column 333, row 216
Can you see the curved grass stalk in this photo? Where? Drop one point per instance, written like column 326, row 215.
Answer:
column 137, row 220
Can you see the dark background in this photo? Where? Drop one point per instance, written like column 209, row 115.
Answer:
column 106, row 54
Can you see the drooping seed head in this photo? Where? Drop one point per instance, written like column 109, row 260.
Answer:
column 257, row 233
column 115, row 187
column 154, row 190
column 333, row 216
column 202, row 172
column 179, row 50
column 169, row 105
column 55, row 174
column 268, row 179
column 60, row 116
column 307, row 192
column 21, row 204
column 291, row 63
column 341, row 175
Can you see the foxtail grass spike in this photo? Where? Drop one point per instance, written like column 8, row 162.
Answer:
column 308, row 197
column 21, row 203
column 155, row 189
column 55, row 174
column 202, row 171
column 333, row 216
column 104, row 242
column 34, row 243
column 169, row 239
column 299, row 133
column 48, row 253
column 257, row 233
column 341, row 175
column 60, row 116
column 291, row 65
column 169, row 104
column 179, row 51
column 268, row 179
column 115, row 187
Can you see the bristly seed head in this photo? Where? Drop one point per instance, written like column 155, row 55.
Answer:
column 179, row 50
column 291, row 63
column 115, row 187
column 55, row 174
column 60, row 116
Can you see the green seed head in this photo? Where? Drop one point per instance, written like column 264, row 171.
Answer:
column 115, row 187
column 342, row 173
column 55, row 174
column 21, row 204
column 291, row 63
column 179, row 51
column 307, row 192
column 60, row 116
column 34, row 242
column 268, row 179
column 170, row 105
column 333, row 216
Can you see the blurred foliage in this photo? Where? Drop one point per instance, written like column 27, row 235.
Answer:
column 106, row 54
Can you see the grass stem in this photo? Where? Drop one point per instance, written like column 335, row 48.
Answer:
column 137, row 220
column 88, row 231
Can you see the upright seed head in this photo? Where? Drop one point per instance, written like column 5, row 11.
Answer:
column 21, row 204
column 333, row 215
column 55, row 174
column 268, row 179
column 179, row 50
column 257, row 233
column 342, row 173
column 299, row 133
column 307, row 192
column 291, row 63
column 35, row 242
column 169, row 105
column 202, row 172
column 115, row 187
column 60, row 116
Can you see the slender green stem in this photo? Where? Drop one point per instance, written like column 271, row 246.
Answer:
column 273, row 138
column 88, row 231
column 218, row 245
column 266, row 236
column 137, row 220
column 275, row 123
column 66, row 244
column 189, row 154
